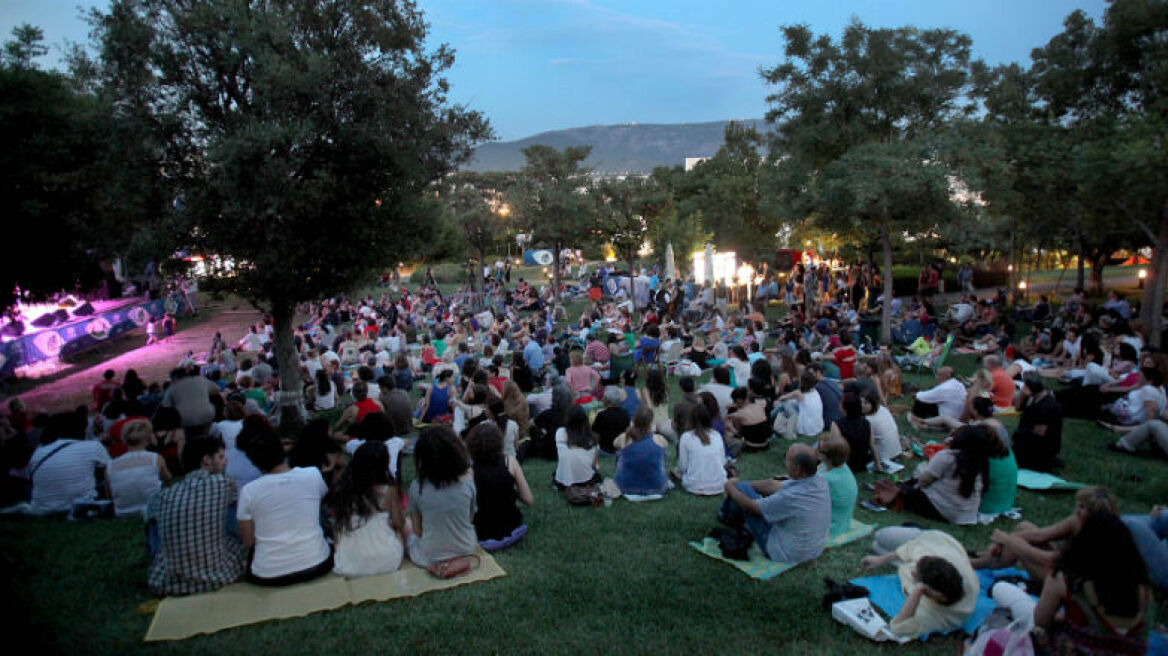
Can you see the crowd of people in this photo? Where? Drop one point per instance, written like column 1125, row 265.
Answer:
column 473, row 393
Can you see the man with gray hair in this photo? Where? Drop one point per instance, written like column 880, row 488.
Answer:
column 790, row 518
column 612, row 420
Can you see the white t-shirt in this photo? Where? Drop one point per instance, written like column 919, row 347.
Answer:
column 810, row 414
column 65, row 477
column 721, row 393
column 394, row 445
column 1136, row 399
column 574, row 465
column 286, row 511
column 133, row 478
column 239, row 466
column 703, row 466
column 949, row 397
column 885, row 434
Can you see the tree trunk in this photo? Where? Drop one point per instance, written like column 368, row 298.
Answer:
column 1081, row 283
column 886, row 306
column 1152, row 301
column 556, row 271
column 1097, row 263
column 290, row 396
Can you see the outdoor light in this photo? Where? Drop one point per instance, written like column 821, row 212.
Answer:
column 1142, row 275
column 1022, row 285
column 1009, row 267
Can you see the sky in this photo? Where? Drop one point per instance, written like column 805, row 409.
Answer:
column 537, row 65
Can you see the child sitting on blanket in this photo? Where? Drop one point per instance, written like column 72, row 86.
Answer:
column 939, row 584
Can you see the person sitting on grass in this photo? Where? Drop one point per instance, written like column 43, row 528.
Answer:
column 499, row 483
column 640, row 463
column 64, row 468
column 800, row 413
column 701, row 455
column 1039, row 436
column 138, row 474
column 746, row 422
column 841, row 483
column 576, row 451
column 191, row 548
column 1097, row 600
column 442, row 500
column 1030, row 547
column 788, row 519
column 950, row 487
column 940, row 406
column 367, row 515
column 939, row 584
column 279, row 518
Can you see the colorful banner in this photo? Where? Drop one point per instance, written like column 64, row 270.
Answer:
column 83, row 334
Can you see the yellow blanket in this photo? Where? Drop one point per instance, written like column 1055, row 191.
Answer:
column 241, row 604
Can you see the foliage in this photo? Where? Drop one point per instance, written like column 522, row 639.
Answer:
column 626, row 211
column 307, row 135
column 550, row 199
column 857, row 125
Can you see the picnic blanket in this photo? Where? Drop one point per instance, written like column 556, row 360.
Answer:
column 886, row 594
column 241, row 604
column 1033, row 480
column 762, row 568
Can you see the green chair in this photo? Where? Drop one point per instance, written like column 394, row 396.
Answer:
column 617, row 365
column 941, row 359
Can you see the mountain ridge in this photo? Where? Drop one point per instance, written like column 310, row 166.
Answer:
column 620, row 148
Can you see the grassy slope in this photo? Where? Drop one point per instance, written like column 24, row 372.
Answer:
column 617, row 579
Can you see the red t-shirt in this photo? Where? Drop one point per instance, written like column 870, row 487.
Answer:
column 845, row 359
column 365, row 406
column 103, row 392
column 1003, row 388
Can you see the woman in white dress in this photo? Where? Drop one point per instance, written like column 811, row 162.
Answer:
column 368, row 516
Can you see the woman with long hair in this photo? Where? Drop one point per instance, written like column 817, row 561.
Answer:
column 701, row 456
column 521, row 373
column 950, row 487
column 322, row 394
column 499, row 483
column 640, row 461
column 367, row 515
column 576, row 450
column 442, row 500
column 655, row 396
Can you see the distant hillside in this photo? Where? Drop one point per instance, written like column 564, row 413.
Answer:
column 625, row 148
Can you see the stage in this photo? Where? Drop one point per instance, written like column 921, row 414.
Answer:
column 80, row 333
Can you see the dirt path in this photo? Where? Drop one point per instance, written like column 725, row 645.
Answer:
column 153, row 363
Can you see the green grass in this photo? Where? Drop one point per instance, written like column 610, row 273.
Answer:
column 604, row 580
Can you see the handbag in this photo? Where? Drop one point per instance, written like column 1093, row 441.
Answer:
column 837, row 592
column 734, row 542
column 583, row 494
column 887, row 494
column 452, row 567
column 863, row 618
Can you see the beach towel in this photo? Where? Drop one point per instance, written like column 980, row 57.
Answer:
column 1033, row 480
column 241, row 604
column 758, row 566
column 886, row 594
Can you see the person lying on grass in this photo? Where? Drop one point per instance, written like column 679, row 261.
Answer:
column 789, row 519
column 939, row 584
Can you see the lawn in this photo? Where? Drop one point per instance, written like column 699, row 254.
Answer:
column 605, row 580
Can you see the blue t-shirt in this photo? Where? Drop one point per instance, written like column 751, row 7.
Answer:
column 640, row 468
column 800, row 517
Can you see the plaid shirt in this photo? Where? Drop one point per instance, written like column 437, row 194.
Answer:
column 196, row 554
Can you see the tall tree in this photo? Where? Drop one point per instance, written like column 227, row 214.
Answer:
column 551, row 200
column 310, row 133
column 626, row 209
column 856, row 119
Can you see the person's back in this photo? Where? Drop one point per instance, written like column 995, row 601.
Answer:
column 810, row 413
column 191, row 397
column 194, row 552
column 843, row 491
column 133, row 479
column 62, row 474
column 800, row 516
column 702, row 465
column 497, row 514
column 999, row 494
column 640, row 468
column 446, row 514
column 285, row 508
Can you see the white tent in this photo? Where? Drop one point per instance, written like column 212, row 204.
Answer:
column 670, row 265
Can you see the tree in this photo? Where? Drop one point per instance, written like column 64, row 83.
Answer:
column 551, row 199
column 625, row 211
column 309, row 134
column 1107, row 82
column 856, row 122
